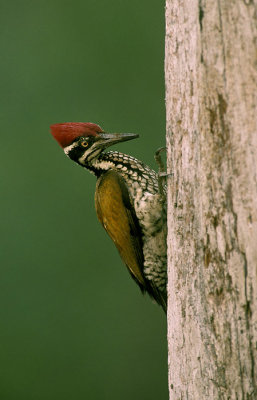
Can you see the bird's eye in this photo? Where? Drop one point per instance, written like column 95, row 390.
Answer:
column 84, row 143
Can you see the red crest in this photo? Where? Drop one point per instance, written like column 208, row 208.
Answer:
column 67, row 132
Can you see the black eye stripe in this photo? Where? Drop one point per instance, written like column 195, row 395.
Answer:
column 79, row 150
column 76, row 153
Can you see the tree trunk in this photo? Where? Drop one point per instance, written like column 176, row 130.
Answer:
column 211, row 100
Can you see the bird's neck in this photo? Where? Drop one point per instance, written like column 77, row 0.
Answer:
column 130, row 168
column 106, row 161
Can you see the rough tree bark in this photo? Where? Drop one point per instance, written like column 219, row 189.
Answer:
column 211, row 100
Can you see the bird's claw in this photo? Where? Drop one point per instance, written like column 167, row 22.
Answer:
column 158, row 159
column 162, row 174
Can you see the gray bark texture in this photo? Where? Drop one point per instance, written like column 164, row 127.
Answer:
column 211, row 101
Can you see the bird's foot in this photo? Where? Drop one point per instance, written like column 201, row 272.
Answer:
column 158, row 159
column 162, row 174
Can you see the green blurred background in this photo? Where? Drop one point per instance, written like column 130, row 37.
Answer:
column 73, row 323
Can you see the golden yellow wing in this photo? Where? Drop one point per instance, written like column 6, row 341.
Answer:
column 116, row 214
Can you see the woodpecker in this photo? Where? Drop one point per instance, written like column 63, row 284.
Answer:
column 128, row 201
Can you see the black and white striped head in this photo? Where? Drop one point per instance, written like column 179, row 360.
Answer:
column 84, row 141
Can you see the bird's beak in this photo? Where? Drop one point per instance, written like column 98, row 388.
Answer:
column 108, row 139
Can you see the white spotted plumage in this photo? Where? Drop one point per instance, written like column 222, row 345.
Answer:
column 142, row 183
column 149, row 206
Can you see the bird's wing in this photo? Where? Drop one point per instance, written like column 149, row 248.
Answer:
column 117, row 215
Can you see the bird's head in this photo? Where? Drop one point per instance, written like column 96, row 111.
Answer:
column 84, row 141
